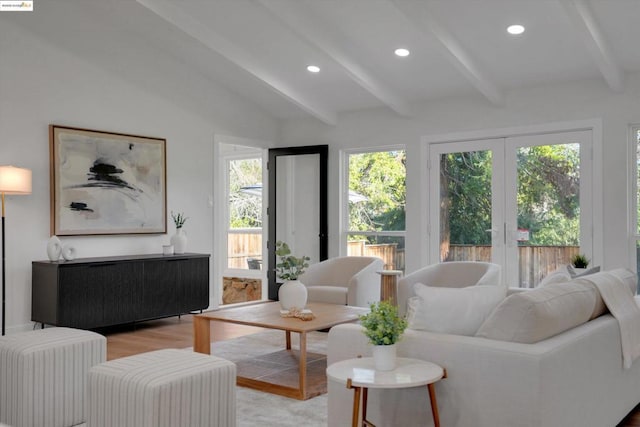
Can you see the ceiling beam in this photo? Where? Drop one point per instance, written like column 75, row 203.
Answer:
column 591, row 35
column 307, row 27
column 214, row 41
column 420, row 16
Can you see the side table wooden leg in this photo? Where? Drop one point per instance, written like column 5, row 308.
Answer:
column 365, row 391
column 287, row 336
column 434, row 405
column 356, row 403
column 201, row 335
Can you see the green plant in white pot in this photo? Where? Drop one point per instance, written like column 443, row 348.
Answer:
column 179, row 239
column 292, row 294
column 384, row 327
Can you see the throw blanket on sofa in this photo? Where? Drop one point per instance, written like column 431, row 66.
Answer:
column 623, row 307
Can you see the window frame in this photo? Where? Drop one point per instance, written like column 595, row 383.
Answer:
column 245, row 272
column 344, row 196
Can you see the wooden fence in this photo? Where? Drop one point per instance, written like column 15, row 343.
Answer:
column 242, row 248
column 535, row 261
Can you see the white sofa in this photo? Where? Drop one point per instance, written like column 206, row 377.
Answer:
column 575, row 378
column 347, row 280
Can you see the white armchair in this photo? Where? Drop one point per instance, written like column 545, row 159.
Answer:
column 349, row 280
column 454, row 274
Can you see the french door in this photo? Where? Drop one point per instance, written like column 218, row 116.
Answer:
column 522, row 202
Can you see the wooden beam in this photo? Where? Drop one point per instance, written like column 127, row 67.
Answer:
column 418, row 14
column 307, row 27
column 591, row 35
column 173, row 14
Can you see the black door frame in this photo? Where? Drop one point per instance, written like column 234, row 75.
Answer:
column 323, row 237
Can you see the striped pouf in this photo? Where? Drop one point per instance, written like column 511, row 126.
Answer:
column 43, row 376
column 163, row 388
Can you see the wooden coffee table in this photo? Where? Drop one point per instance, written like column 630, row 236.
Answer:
column 267, row 316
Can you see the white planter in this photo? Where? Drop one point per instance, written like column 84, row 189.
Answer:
column 384, row 357
column 179, row 241
column 292, row 294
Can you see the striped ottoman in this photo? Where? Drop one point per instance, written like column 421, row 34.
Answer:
column 163, row 388
column 43, row 376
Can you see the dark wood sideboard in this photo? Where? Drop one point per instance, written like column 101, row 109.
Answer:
column 91, row 293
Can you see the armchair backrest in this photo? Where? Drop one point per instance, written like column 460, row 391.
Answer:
column 338, row 271
column 454, row 274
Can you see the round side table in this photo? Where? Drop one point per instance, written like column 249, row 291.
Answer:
column 360, row 375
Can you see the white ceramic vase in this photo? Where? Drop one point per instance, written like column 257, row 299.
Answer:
column 292, row 294
column 69, row 253
column 179, row 242
column 384, row 357
column 54, row 248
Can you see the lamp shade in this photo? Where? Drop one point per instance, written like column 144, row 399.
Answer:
column 15, row 180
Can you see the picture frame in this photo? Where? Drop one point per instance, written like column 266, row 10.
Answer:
column 105, row 183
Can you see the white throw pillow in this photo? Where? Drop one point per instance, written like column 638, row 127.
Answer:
column 458, row 311
column 575, row 273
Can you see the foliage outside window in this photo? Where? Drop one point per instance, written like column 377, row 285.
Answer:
column 244, row 236
column 245, row 193
column 548, row 195
column 376, row 205
column 380, row 179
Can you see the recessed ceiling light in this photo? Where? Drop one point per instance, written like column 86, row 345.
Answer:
column 313, row 68
column 515, row 29
column 402, row 52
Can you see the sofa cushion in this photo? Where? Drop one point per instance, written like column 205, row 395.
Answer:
column 561, row 275
column 458, row 311
column 529, row 317
column 327, row 294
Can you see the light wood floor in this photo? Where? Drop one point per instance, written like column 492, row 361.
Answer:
column 178, row 333
column 172, row 332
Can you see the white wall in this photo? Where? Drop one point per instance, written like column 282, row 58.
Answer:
column 573, row 101
column 42, row 82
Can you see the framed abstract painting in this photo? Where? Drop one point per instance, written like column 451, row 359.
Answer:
column 106, row 183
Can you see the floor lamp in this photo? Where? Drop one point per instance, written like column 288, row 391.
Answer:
column 12, row 181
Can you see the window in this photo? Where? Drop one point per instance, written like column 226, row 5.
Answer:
column 375, row 205
column 245, row 214
column 521, row 202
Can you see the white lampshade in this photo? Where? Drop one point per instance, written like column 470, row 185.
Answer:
column 15, row 180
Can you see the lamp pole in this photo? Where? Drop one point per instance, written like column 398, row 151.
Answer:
column 4, row 290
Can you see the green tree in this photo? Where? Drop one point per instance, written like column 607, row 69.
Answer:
column 381, row 178
column 548, row 196
column 245, row 209
column 549, row 193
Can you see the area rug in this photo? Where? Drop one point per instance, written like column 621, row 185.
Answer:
column 256, row 408
column 262, row 357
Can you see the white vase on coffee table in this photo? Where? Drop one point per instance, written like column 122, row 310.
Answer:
column 292, row 294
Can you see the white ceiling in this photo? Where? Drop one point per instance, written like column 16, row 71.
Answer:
column 259, row 49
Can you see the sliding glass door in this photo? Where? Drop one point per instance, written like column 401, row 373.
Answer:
column 514, row 201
